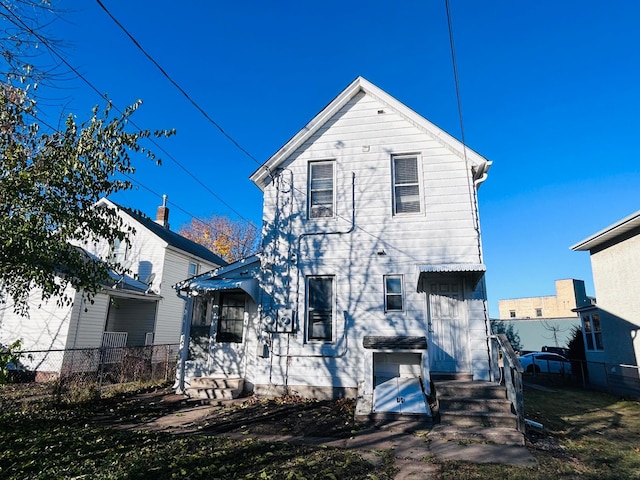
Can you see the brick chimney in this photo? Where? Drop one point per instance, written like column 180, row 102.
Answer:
column 162, row 215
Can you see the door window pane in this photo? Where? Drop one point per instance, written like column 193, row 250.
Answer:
column 231, row 320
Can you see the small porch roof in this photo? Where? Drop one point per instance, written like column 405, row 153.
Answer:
column 202, row 285
column 475, row 270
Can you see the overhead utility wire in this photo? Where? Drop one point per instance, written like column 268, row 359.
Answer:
column 175, row 84
column 455, row 77
column 137, row 44
column 95, row 89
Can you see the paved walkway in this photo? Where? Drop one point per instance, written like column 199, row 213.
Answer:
column 411, row 446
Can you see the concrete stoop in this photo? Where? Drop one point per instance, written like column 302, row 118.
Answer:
column 215, row 388
column 477, row 435
column 467, row 403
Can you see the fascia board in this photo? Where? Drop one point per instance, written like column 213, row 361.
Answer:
column 612, row 231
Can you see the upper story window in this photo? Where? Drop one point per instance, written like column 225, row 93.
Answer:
column 119, row 251
column 406, row 184
column 538, row 312
column 512, row 314
column 593, row 332
column 320, row 311
column 321, row 191
column 193, row 269
column 393, row 294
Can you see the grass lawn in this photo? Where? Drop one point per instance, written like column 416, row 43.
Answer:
column 587, row 435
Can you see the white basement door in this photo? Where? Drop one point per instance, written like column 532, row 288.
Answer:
column 399, row 395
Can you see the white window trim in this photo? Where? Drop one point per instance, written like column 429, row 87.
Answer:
column 197, row 265
column 402, row 293
column 332, row 162
column 418, row 158
column 333, row 310
column 591, row 334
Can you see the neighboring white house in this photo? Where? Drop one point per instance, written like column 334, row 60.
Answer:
column 131, row 310
column 371, row 276
column 611, row 327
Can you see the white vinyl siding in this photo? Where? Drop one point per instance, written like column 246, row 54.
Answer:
column 445, row 235
column 321, row 191
column 406, row 185
column 320, row 308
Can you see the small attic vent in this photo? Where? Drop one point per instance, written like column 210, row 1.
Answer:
column 380, row 112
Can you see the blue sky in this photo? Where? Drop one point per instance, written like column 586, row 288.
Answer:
column 550, row 93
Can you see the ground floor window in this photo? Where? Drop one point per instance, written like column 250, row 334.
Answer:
column 393, row 293
column 200, row 327
column 231, row 319
column 320, row 308
column 593, row 332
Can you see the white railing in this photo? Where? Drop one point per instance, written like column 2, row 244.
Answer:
column 113, row 344
column 507, row 370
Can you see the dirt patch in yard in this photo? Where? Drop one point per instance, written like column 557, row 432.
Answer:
column 291, row 416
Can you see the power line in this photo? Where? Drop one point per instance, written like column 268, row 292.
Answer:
column 20, row 23
column 175, row 84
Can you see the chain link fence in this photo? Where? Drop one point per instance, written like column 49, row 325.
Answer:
column 74, row 371
column 614, row 378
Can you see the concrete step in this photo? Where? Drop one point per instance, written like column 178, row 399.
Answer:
column 495, row 405
column 465, row 403
column 217, row 382
column 478, row 419
column 215, row 388
column 495, row 435
column 469, row 389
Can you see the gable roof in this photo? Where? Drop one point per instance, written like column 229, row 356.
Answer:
column 173, row 239
column 261, row 175
column 610, row 233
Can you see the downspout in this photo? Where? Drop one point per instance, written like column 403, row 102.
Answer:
column 183, row 353
column 480, row 176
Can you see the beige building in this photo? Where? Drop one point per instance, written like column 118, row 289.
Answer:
column 611, row 328
column 570, row 294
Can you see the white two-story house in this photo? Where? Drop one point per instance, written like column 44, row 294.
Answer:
column 371, row 276
column 134, row 309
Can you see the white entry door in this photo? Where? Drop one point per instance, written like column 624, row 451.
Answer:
column 449, row 339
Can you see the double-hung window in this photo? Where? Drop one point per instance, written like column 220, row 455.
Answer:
column 193, row 269
column 321, row 191
column 393, row 293
column 119, row 251
column 406, row 184
column 593, row 332
column 320, row 308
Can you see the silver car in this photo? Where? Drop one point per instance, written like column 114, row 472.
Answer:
column 545, row 362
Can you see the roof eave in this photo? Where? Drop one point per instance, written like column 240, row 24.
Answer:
column 606, row 234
